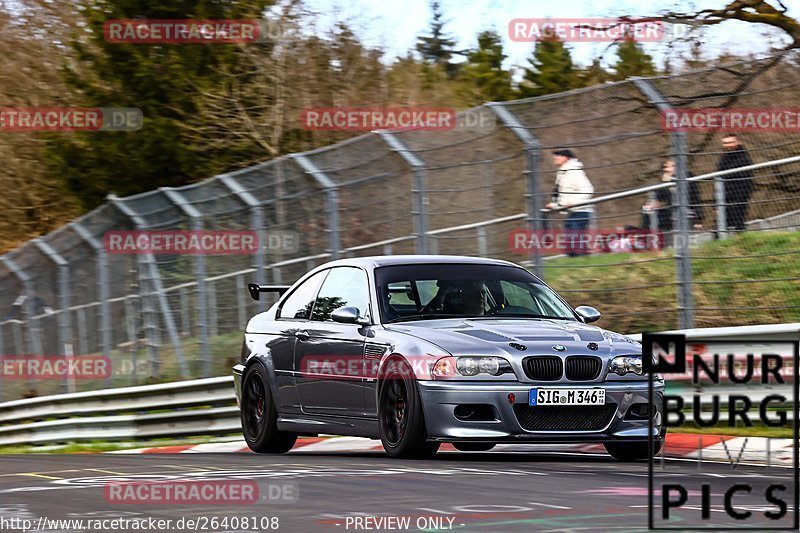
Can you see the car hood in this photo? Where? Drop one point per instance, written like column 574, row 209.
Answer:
column 503, row 336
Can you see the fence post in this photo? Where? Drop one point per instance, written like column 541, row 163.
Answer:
column 130, row 326
column 483, row 250
column 83, row 335
column 149, row 319
column 212, row 316
column 419, row 191
column 35, row 342
column 64, row 322
column 532, row 175
column 241, row 305
column 148, row 272
column 102, row 287
column 682, row 253
column 64, row 334
column 16, row 334
column 721, row 204
column 183, row 295
column 331, row 200
column 256, row 223
column 200, row 275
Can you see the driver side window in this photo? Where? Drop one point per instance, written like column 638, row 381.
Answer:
column 344, row 287
column 298, row 305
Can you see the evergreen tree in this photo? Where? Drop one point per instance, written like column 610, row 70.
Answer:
column 551, row 69
column 483, row 73
column 632, row 61
column 594, row 74
column 165, row 81
column 437, row 48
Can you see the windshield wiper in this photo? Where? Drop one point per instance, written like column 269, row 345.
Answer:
column 411, row 318
column 525, row 315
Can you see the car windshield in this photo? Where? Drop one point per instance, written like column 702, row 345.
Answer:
column 431, row 291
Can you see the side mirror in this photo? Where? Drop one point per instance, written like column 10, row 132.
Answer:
column 588, row 314
column 349, row 315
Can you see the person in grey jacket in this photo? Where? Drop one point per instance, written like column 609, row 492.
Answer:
column 572, row 188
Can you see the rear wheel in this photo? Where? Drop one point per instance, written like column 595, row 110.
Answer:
column 631, row 451
column 473, row 446
column 400, row 417
column 259, row 417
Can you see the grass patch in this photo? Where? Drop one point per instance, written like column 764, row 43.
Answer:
column 732, row 279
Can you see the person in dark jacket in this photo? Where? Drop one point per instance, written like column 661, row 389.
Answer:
column 663, row 200
column 739, row 185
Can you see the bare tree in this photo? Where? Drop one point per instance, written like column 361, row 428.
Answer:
column 753, row 11
column 33, row 36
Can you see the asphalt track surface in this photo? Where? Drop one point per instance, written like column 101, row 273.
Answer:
column 529, row 490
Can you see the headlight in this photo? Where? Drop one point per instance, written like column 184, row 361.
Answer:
column 467, row 366
column 449, row 367
column 625, row 364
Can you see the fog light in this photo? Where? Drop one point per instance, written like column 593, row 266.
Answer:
column 627, row 363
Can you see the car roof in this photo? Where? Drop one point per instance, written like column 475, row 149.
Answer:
column 390, row 260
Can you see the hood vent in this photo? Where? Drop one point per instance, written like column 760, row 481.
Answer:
column 547, row 338
column 590, row 335
column 485, row 335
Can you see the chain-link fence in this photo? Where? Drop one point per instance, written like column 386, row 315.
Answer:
column 721, row 257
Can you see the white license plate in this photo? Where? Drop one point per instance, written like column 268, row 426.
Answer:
column 571, row 396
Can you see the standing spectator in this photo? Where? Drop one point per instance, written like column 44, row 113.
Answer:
column 662, row 201
column 739, row 185
column 572, row 188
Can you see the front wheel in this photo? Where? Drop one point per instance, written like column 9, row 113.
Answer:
column 259, row 417
column 631, row 451
column 401, row 422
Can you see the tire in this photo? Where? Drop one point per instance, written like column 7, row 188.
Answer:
column 473, row 446
column 400, row 418
column 259, row 417
column 631, row 451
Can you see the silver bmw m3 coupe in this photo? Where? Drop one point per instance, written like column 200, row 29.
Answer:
column 421, row 350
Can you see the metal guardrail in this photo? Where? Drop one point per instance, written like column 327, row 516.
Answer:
column 179, row 409
column 773, row 332
column 208, row 406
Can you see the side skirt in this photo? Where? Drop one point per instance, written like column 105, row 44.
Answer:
column 330, row 425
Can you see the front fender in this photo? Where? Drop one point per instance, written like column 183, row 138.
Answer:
column 420, row 365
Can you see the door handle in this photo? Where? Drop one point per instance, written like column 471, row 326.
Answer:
column 302, row 335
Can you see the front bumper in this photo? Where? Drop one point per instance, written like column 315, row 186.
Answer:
column 440, row 399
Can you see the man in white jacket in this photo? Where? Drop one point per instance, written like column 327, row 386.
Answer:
column 572, row 188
